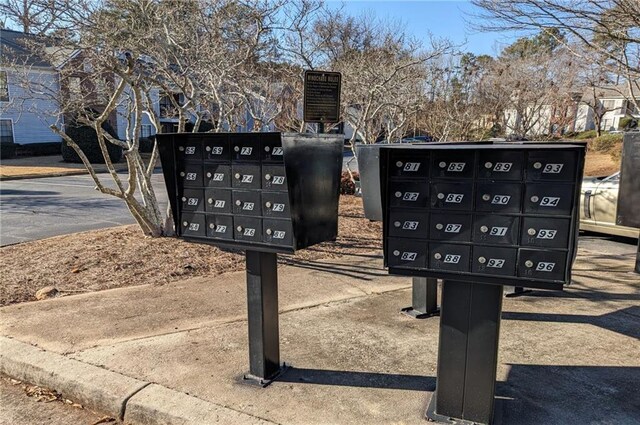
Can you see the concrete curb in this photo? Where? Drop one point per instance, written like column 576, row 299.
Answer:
column 119, row 396
column 44, row 175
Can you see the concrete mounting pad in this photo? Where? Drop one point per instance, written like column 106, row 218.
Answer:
column 569, row 357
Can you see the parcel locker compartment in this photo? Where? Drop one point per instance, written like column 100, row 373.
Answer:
column 217, row 148
column 191, row 175
column 245, row 176
column 496, row 229
column 449, row 257
column 277, row 232
column 192, row 200
column 408, row 224
column 549, row 199
column 246, row 202
column 245, row 147
column 218, row 201
column 546, row 232
column 500, row 165
column 192, row 224
column 494, row 261
column 541, row 264
column 452, row 196
column 407, row 253
column 189, row 149
column 276, row 204
column 457, row 164
column 408, row 194
column 220, row 226
column 274, row 177
column 552, row 165
column 247, row 229
column 272, row 150
column 498, row 197
column 450, row 227
column 409, row 165
column 217, row 175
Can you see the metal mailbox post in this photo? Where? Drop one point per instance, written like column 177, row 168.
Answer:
column 478, row 217
column 261, row 192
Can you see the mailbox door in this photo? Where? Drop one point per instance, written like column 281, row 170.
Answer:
column 218, row 201
column 408, row 224
column 548, row 199
column 192, row 200
column 217, row 175
column 247, row 229
column 452, row 196
column 409, row 165
column 277, row 232
column 272, row 150
column 192, row 224
column 189, row 149
column 191, row 175
column 246, row 202
column 552, row 166
column 217, row 148
column 455, row 164
column 220, row 226
column 274, row 177
column 498, row 197
column 245, row 176
column 496, row 229
column 450, row 227
column 546, row 232
column 541, row 264
column 408, row 194
column 276, row 205
column 449, row 257
column 494, row 261
column 500, row 165
column 244, row 147
column 407, row 253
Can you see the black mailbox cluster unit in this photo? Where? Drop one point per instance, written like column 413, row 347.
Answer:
column 264, row 191
column 500, row 214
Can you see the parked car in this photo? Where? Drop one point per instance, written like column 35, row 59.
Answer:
column 598, row 206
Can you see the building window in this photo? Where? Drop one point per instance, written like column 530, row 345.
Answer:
column 4, row 87
column 6, row 131
column 145, row 130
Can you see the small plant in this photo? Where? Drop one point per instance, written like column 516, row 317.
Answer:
column 348, row 186
column 605, row 143
column 590, row 134
column 85, row 137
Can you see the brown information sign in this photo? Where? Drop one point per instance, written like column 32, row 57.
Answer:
column 322, row 96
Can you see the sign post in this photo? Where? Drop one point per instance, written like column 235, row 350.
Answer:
column 321, row 97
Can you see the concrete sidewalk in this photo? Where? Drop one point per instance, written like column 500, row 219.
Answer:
column 175, row 353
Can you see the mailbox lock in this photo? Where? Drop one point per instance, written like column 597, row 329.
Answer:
column 267, row 176
column 399, row 163
column 236, row 148
column 212, row 226
column 486, row 197
column 184, row 199
column 237, row 176
column 238, row 202
column 181, row 173
column 484, row 229
column 267, row 148
column 185, row 223
column 537, row 165
column 440, row 195
column 210, row 200
column 268, row 232
column 437, row 256
column 239, row 228
column 439, row 226
column 396, row 223
column 208, row 148
column 482, row 260
column 181, row 148
column 488, row 165
column 531, row 231
column 398, row 194
column 267, row 204
column 528, row 263
column 442, row 164
column 208, row 173
column 534, row 199
column 396, row 253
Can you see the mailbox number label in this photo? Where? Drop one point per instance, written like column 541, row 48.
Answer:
column 549, row 201
column 248, row 178
column 453, row 228
column 410, row 225
column 500, row 199
column 191, row 176
column 411, row 166
column 249, row 232
column 454, row 198
column 248, row 206
column 409, row 256
column 546, row 234
column 246, row 151
column 545, row 267
column 221, row 228
column 219, row 204
column 192, row 201
column 216, row 150
column 277, row 150
column 553, row 168
column 190, row 150
column 456, row 167
column 498, row 231
column 410, row 196
column 495, row 263
column 278, row 234
column 452, row 259
column 502, row 167
column 278, row 207
column 218, row 177
column 278, row 179
column 194, row 227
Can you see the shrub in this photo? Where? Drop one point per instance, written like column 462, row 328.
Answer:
column 347, row 186
column 586, row 135
column 7, row 150
column 605, row 143
column 627, row 123
column 146, row 144
column 87, row 139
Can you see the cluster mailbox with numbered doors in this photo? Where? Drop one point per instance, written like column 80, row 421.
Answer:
column 266, row 193
column 479, row 216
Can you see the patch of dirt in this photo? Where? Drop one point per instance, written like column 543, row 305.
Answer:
column 600, row 164
column 121, row 256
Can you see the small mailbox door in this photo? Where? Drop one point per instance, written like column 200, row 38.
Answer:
column 275, row 204
column 189, row 149
column 274, row 177
column 452, row 196
column 191, row 176
column 449, row 257
column 450, row 227
column 500, row 165
column 546, row 232
column 217, row 148
column 541, row 264
column 494, row 261
column 548, row 199
column 218, row 201
column 277, row 232
column 246, row 202
column 455, row 164
column 551, row 166
column 409, row 165
column 408, row 194
column 192, row 200
column 498, row 197
column 193, row 224
column 496, row 229
column 245, row 176
column 220, row 226
column 247, row 229
column 217, row 175
column 245, row 148
column 407, row 253
column 408, row 224
column 272, row 150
